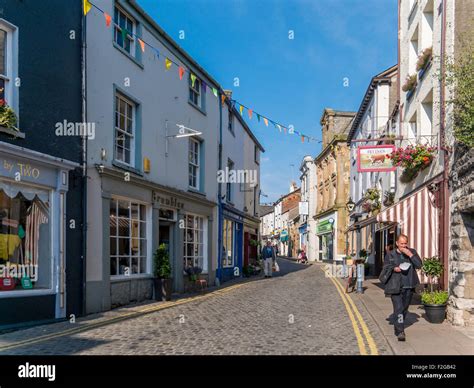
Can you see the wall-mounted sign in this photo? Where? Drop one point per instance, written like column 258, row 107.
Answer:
column 375, row 158
column 167, row 201
column 324, row 227
column 304, row 208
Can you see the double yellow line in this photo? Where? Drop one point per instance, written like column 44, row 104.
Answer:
column 121, row 317
column 361, row 330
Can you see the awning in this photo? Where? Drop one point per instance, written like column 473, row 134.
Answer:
column 417, row 217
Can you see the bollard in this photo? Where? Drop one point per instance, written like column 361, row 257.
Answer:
column 360, row 278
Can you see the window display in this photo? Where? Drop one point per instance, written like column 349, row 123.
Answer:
column 25, row 234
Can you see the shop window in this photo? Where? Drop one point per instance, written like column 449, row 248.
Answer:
column 128, row 238
column 195, row 235
column 25, row 238
column 228, row 244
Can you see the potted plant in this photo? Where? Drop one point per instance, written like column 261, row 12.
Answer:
column 434, row 301
column 410, row 85
column 193, row 273
column 162, row 274
column 7, row 117
column 423, row 61
column 413, row 159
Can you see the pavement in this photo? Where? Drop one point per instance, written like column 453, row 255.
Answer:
column 423, row 338
column 299, row 311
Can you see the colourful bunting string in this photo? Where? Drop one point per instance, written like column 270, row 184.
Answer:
column 108, row 19
column 87, row 7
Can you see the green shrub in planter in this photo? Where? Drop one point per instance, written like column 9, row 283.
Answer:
column 436, row 297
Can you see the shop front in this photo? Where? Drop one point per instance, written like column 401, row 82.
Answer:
column 231, row 257
column 138, row 216
column 325, row 232
column 251, row 240
column 33, row 190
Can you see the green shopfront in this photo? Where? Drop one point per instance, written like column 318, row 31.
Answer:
column 325, row 238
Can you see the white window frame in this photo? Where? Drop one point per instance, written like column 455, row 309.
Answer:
column 197, row 90
column 196, row 164
column 228, row 188
column 148, row 238
column 132, row 136
column 204, row 230
column 53, row 274
column 118, row 31
column 11, row 65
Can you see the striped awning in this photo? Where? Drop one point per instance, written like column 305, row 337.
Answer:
column 417, row 217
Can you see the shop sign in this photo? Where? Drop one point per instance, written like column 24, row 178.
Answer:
column 324, row 227
column 167, row 201
column 375, row 158
column 19, row 170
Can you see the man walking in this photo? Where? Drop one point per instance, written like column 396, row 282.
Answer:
column 403, row 262
column 268, row 256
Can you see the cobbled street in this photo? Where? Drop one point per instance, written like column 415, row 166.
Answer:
column 297, row 312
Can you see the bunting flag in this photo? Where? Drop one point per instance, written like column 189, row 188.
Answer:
column 250, row 113
column 258, row 117
column 108, row 19
column 223, row 99
column 87, row 7
column 265, row 120
column 124, row 34
column 302, row 139
column 284, row 130
column 181, row 72
column 142, row 44
column 214, row 90
column 241, row 110
column 168, row 64
column 193, row 79
column 279, row 127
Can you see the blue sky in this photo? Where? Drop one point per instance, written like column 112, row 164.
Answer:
column 287, row 80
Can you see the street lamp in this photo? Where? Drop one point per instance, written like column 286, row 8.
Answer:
column 350, row 205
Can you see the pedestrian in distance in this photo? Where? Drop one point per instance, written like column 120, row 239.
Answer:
column 400, row 279
column 269, row 257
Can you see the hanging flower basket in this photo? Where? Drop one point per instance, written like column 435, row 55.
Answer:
column 410, row 85
column 424, row 59
column 413, row 159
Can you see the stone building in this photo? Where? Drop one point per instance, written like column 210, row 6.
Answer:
column 461, row 281
column 332, row 171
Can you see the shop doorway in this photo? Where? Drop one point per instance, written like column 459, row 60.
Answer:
column 165, row 236
column 384, row 239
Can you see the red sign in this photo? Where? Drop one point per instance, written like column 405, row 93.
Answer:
column 375, row 158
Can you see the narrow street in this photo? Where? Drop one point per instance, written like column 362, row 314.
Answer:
column 297, row 312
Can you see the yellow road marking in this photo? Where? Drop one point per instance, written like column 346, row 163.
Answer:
column 365, row 329
column 122, row 317
column 360, row 340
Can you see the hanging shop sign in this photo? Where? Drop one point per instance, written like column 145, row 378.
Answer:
column 303, row 208
column 375, row 158
column 284, row 235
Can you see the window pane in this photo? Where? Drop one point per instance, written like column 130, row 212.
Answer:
column 124, row 209
column 124, row 246
column 142, row 264
column 135, row 211
column 135, row 247
column 3, row 51
column 124, row 265
column 143, row 250
column 135, row 268
column 113, row 266
column 113, row 246
column 142, row 229
column 142, row 213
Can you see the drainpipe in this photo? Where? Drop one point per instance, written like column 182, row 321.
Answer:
column 444, row 236
column 219, row 199
column 84, row 164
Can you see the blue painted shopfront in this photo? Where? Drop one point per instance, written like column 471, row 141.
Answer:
column 231, row 235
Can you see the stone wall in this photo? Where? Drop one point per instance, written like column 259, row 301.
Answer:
column 461, row 271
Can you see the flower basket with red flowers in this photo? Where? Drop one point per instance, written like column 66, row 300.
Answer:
column 413, row 159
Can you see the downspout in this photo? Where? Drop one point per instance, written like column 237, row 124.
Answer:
column 219, row 196
column 443, row 236
column 84, row 164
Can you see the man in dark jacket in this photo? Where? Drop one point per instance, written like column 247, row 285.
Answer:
column 404, row 261
column 269, row 257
